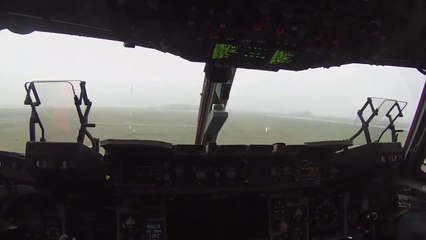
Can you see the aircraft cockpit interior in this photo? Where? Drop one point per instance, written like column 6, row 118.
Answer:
column 212, row 120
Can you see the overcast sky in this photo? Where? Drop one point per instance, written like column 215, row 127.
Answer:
column 162, row 79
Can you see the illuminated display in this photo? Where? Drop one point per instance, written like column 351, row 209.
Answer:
column 281, row 57
column 255, row 52
column 222, row 51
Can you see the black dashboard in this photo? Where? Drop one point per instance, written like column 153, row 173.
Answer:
column 155, row 190
column 258, row 34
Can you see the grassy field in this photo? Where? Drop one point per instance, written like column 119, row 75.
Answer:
column 175, row 127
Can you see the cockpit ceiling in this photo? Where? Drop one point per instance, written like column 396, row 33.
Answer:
column 267, row 35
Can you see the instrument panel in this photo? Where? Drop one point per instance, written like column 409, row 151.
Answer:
column 277, row 216
column 156, row 166
column 157, row 191
column 268, row 35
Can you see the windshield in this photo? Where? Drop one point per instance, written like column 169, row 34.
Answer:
column 145, row 94
column 317, row 104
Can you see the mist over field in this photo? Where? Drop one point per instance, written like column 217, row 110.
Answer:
column 177, row 126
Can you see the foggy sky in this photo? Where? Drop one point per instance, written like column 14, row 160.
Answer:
column 163, row 79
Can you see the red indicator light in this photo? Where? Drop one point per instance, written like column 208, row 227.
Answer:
column 280, row 30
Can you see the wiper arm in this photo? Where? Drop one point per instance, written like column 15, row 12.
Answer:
column 34, row 118
column 392, row 119
column 215, row 95
column 78, row 101
column 365, row 121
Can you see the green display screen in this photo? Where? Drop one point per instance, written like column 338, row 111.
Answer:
column 223, row 51
column 281, row 57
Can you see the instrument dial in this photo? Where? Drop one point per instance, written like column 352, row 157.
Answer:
column 326, row 215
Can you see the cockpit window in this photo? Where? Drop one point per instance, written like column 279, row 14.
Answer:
column 136, row 93
column 145, row 94
column 318, row 104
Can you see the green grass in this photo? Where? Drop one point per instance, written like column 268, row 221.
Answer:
column 172, row 126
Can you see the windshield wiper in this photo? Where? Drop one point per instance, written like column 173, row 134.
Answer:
column 78, row 101
column 365, row 122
